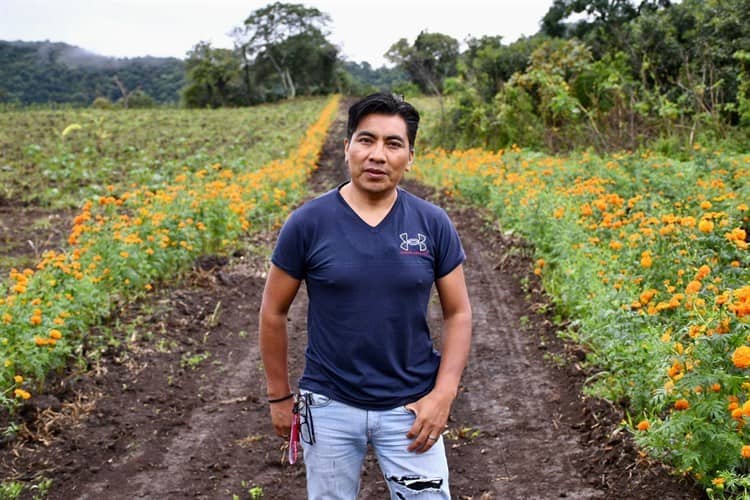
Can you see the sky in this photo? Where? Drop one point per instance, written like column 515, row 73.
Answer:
column 363, row 30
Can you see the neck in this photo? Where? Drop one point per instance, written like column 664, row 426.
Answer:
column 368, row 201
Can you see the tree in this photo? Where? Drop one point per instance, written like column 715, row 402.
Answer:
column 212, row 75
column 269, row 32
column 432, row 59
column 604, row 27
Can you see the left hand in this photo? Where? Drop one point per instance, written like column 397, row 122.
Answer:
column 432, row 413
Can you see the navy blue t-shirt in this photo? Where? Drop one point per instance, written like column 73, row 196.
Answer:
column 369, row 344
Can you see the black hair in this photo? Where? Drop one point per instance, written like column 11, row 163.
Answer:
column 386, row 104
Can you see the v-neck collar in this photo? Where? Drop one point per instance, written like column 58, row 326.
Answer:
column 351, row 210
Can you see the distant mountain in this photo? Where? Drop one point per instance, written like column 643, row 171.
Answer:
column 53, row 72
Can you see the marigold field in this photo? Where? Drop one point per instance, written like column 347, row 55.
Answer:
column 134, row 236
column 648, row 257
column 645, row 257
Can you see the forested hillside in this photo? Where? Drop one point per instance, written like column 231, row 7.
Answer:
column 46, row 72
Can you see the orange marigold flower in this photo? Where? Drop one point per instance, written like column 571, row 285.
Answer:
column 55, row 334
column 745, row 452
column 717, row 481
column 737, row 413
column 716, row 387
column 693, row 287
column 681, row 404
column 646, row 259
column 36, row 320
column 703, row 271
column 741, row 357
column 40, row 341
column 705, row 205
column 643, row 425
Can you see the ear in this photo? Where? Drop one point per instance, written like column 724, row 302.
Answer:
column 411, row 160
column 346, row 151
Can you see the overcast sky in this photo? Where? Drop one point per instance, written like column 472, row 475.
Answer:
column 363, row 30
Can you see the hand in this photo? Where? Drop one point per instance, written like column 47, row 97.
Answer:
column 281, row 417
column 432, row 413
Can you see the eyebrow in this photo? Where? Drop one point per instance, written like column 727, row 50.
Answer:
column 387, row 138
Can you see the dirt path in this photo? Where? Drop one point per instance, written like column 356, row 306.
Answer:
column 178, row 411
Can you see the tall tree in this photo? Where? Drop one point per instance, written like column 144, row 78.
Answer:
column 213, row 76
column 432, row 59
column 266, row 34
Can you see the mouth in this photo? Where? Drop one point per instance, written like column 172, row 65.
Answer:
column 375, row 172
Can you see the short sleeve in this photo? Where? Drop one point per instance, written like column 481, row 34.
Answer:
column 450, row 252
column 289, row 253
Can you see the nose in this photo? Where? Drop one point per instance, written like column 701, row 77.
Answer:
column 377, row 153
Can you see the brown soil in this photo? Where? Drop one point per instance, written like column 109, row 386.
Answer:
column 27, row 232
column 173, row 405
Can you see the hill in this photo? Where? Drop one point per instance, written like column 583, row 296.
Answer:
column 54, row 72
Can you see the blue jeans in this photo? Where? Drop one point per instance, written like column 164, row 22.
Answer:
column 334, row 462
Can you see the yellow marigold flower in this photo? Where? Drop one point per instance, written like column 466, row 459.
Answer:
column 124, row 254
column 20, row 393
column 718, row 481
column 681, row 404
column 559, row 213
column 643, row 425
column 705, row 226
column 741, row 357
column 745, row 452
column 705, row 205
column 18, row 379
column 7, row 318
column 40, row 341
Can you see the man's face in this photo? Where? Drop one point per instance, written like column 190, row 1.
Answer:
column 378, row 154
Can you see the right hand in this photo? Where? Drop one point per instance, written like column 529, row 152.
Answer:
column 281, row 417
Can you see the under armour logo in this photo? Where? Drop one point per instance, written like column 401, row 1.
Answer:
column 419, row 241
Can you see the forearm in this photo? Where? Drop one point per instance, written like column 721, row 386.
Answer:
column 273, row 351
column 456, row 344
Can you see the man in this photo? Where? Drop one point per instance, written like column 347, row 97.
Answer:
column 369, row 253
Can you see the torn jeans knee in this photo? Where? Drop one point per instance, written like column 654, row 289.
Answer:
column 409, row 486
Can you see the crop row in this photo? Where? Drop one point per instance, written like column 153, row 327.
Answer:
column 649, row 259
column 59, row 158
column 123, row 244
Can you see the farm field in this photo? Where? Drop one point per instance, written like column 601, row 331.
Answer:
column 166, row 399
column 649, row 258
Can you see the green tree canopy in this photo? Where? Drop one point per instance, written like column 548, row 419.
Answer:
column 432, row 59
column 277, row 35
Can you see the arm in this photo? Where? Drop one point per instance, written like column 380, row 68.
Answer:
column 278, row 295
column 433, row 409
